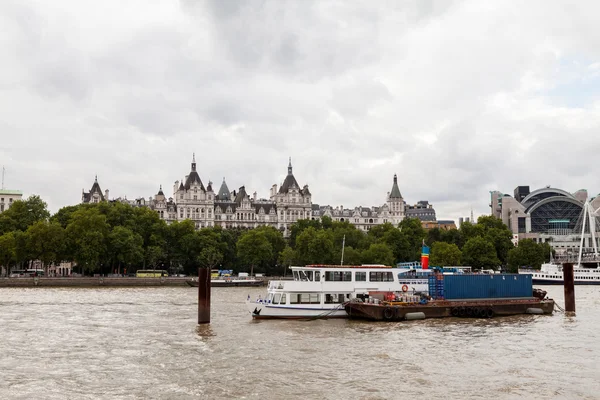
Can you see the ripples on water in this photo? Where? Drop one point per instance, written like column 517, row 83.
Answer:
column 144, row 343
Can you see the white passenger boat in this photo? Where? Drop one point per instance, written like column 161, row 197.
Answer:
column 319, row 291
column 552, row 274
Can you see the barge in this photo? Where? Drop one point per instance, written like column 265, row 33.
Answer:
column 468, row 295
column 398, row 311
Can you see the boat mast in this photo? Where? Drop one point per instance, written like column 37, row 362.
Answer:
column 585, row 213
column 592, row 218
column 343, row 245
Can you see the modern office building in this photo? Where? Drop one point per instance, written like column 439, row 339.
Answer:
column 547, row 215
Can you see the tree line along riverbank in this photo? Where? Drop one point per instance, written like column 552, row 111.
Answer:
column 110, row 236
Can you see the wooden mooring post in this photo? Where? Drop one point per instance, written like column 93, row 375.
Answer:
column 569, row 283
column 203, row 296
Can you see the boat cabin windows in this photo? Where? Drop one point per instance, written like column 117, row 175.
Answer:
column 360, row 276
column 338, row 276
column 376, row 276
column 336, row 298
column 276, row 298
column 305, row 298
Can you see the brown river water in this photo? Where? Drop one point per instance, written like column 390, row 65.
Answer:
column 144, row 343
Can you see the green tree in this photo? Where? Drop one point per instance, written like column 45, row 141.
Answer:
column 287, row 258
column 326, row 222
column 345, row 232
column 479, row 253
column 275, row 238
column 87, row 236
column 254, row 249
column 146, row 223
column 352, row 256
column 315, row 246
column 469, row 231
column 63, row 216
column 399, row 243
column 46, row 242
column 501, row 239
column 445, row 254
column 412, row 228
column 451, row 236
column 379, row 231
column 212, row 247
column 490, row 222
column 24, row 213
column 378, row 253
column 434, row 235
column 299, row 226
column 175, row 235
column 8, row 250
column 528, row 253
column 210, row 257
column 125, row 247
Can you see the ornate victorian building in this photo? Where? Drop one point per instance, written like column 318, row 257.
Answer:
column 287, row 204
column 95, row 194
column 233, row 209
column 366, row 217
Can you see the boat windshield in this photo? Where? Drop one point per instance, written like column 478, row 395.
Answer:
column 307, row 276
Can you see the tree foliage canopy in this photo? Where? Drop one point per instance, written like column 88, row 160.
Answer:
column 111, row 236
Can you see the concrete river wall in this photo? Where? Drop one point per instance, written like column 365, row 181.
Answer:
column 92, row 282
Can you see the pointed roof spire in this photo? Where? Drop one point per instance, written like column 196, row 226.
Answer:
column 160, row 192
column 96, row 178
column 290, row 167
column 193, row 161
column 395, row 193
column 224, row 194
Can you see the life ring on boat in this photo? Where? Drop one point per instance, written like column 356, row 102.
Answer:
column 454, row 312
column 405, row 288
column 388, row 313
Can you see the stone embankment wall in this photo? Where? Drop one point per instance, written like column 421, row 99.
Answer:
column 92, row 282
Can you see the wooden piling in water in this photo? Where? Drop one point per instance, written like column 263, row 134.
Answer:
column 203, row 296
column 569, row 283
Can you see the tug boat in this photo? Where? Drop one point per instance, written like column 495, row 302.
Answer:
column 320, row 291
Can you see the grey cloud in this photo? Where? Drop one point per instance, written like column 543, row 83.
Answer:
column 452, row 96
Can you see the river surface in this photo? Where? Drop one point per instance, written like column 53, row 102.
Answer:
column 144, row 343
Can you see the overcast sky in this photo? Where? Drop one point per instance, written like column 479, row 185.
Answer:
column 457, row 98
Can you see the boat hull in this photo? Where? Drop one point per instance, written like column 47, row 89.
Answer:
column 445, row 309
column 261, row 310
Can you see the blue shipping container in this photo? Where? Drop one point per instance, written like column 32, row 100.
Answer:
column 484, row 286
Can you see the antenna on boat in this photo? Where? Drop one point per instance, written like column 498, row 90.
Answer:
column 343, row 245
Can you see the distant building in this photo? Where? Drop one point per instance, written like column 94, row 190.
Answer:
column 7, row 197
column 545, row 215
column 441, row 224
column 422, row 210
column 95, row 194
column 287, row 204
column 366, row 217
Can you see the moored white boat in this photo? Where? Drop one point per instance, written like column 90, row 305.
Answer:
column 552, row 274
column 319, row 291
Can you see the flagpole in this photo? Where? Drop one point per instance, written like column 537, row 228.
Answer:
column 343, row 245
